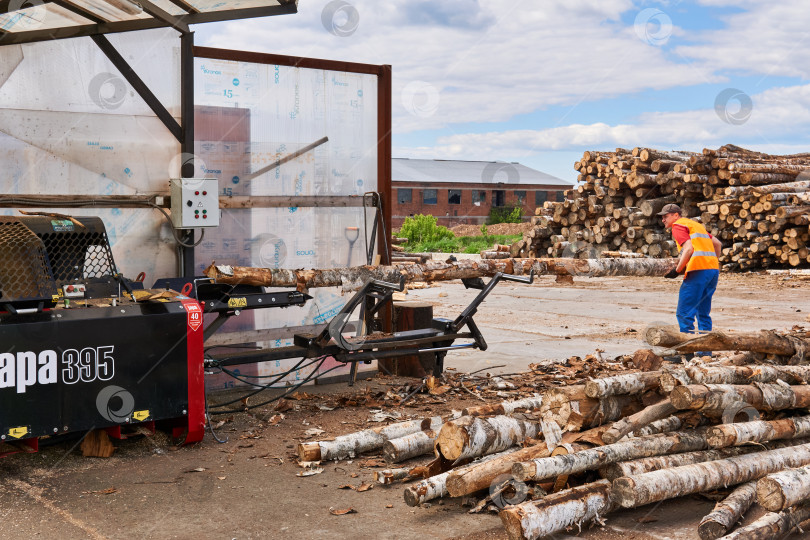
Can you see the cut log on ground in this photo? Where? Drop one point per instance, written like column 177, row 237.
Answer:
column 355, row 277
column 761, row 396
column 728, row 512
column 478, row 476
column 763, row 341
column 631, row 383
column 505, row 407
column 558, row 511
column 471, row 437
column 363, row 441
column 594, row 458
column 632, row 423
column 435, row 487
column 758, row 431
column 784, row 489
column 409, row 446
column 644, row 465
column 772, row 526
column 641, row 489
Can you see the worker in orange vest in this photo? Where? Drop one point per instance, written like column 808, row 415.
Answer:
column 699, row 262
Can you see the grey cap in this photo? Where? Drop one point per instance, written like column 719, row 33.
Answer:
column 670, row 209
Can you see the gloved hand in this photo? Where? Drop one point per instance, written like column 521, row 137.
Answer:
column 672, row 274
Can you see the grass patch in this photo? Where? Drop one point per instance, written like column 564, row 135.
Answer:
column 461, row 244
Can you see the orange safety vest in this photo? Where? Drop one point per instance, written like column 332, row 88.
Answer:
column 704, row 257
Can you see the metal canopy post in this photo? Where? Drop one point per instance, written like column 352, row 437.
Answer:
column 187, row 143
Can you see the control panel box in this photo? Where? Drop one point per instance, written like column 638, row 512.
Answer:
column 195, row 202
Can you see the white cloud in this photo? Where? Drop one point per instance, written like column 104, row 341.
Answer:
column 501, row 59
column 777, row 114
column 770, row 38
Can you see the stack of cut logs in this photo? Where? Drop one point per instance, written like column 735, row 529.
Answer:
column 757, row 204
column 567, row 458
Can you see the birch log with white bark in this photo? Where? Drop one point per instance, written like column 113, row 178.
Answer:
column 409, row 446
column 758, row 431
column 658, row 411
column 435, row 487
column 641, row 489
column 728, row 512
column 352, row 278
column 644, row 465
column 558, row 511
column 630, row 383
column 665, row 425
column 363, row 441
column 505, row 407
column 470, row 436
column 763, row 341
column 784, row 489
column 772, row 526
column 478, row 476
column 761, row 396
column 748, row 374
column 594, row 458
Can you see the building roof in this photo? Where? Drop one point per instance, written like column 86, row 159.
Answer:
column 470, row 172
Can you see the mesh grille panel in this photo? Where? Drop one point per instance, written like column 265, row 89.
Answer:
column 78, row 255
column 24, row 271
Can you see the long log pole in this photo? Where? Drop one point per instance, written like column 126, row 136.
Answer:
column 758, row 431
column 728, row 512
column 763, row 341
column 594, row 458
column 558, row 511
column 641, row 489
column 435, row 271
column 761, row 396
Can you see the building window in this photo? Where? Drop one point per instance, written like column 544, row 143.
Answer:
column 479, row 197
column 430, row 196
column 498, row 197
column 404, row 195
column 453, row 196
column 520, row 196
column 540, row 197
column 560, row 196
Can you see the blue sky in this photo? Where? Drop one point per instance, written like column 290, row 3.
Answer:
column 539, row 82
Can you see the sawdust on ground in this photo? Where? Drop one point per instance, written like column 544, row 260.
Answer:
column 499, row 228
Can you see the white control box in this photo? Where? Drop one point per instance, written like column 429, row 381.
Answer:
column 195, row 202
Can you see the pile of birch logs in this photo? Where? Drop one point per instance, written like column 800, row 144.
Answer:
column 568, row 458
column 757, row 204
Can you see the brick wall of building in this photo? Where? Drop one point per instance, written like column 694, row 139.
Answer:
column 455, row 202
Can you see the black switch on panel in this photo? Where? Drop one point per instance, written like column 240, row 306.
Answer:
column 188, row 203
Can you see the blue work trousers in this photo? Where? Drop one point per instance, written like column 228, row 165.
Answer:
column 695, row 299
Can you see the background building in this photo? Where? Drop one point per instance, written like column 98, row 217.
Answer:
column 459, row 192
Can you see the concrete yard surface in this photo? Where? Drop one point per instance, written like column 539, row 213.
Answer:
column 248, row 487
